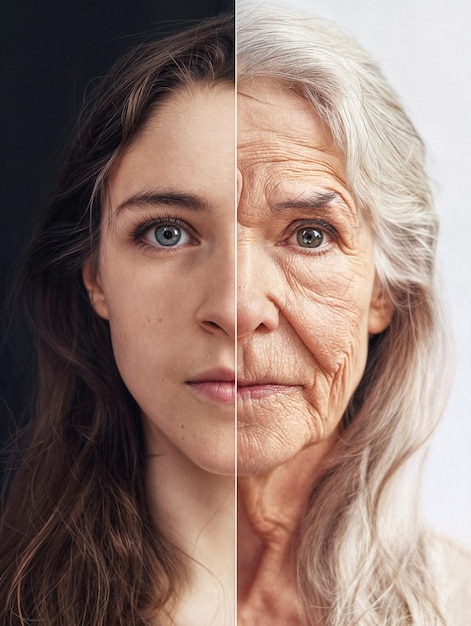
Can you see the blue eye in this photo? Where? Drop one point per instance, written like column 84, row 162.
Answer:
column 163, row 232
column 310, row 237
column 166, row 234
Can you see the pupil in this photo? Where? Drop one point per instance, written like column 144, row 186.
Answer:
column 168, row 235
column 310, row 237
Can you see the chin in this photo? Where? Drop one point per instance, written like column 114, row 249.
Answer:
column 257, row 457
column 249, row 466
column 254, row 459
column 219, row 469
column 217, row 464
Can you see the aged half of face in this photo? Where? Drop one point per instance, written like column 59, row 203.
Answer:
column 165, row 275
column 307, row 295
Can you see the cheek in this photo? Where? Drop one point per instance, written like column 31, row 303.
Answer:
column 328, row 310
column 148, row 314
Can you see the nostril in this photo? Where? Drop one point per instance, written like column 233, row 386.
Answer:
column 256, row 314
column 216, row 317
column 212, row 325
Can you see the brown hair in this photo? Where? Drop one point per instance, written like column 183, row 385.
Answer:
column 77, row 545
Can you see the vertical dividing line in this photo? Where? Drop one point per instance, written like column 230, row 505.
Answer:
column 236, row 198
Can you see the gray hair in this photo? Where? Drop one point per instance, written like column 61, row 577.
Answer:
column 363, row 555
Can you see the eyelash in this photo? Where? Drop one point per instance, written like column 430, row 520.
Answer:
column 321, row 225
column 139, row 232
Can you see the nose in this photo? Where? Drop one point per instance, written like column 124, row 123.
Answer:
column 256, row 299
column 216, row 313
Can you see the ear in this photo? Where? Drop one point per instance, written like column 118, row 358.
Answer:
column 381, row 309
column 92, row 281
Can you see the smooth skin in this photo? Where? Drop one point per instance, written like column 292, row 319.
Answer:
column 307, row 302
column 165, row 281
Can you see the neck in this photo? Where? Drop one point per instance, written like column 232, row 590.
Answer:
column 195, row 510
column 270, row 509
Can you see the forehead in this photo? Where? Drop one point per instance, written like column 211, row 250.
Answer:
column 266, row 106
column 283, row 145
column 187, row 144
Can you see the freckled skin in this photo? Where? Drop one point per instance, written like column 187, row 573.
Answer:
column 304, row 317
column 172, row 310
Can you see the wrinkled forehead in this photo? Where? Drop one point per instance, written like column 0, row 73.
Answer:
column 277, row 124
column 283, row 145
column 268, row 106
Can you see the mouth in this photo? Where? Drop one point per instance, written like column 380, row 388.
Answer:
column 258, row 389
column 217, row 385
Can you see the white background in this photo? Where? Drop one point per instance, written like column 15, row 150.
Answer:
column 424, row 49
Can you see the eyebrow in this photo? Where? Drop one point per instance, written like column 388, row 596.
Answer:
column 320, row 200
column 168, row 197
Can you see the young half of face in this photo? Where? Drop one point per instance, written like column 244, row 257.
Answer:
column 308, row 298
column 166, row 271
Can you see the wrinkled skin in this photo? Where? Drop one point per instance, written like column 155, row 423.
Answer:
column 305, row 314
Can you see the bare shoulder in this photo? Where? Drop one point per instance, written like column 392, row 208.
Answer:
column 452, row 568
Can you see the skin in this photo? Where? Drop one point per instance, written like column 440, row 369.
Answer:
column 302, row 331
column 171, row 311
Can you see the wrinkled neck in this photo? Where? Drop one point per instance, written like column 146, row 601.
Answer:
column 270, row 509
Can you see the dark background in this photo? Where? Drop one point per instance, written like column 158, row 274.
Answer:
column 50, row 51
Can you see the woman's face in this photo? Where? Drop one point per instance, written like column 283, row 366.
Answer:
column 166, row 275
column 307, row 295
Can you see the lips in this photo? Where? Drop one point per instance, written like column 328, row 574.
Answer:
column 219, row 385
column 261, row 388
column 216, row 384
